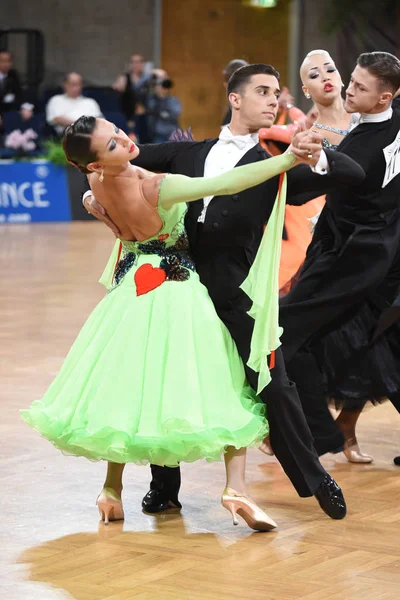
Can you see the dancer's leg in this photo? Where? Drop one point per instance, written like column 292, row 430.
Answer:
column 114, row 477
column 234, row 497
column 109, row 501
column 235, row 467
column 347, row 421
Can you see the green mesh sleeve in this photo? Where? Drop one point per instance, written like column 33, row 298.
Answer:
column 179, row 188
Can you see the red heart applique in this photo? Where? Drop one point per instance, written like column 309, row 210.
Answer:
column 148, row 278
column 163, row 237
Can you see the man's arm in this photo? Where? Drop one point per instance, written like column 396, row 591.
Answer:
column 304, row 185
column 160, row 158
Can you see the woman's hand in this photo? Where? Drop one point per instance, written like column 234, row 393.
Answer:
column 306, row 146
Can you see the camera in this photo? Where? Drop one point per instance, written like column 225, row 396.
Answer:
column 166, row 83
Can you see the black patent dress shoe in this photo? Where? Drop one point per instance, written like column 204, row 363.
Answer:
column 330, row 498
column 155, row 502
column 396, row 460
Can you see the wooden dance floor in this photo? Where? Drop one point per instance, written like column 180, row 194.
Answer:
column 53, row 545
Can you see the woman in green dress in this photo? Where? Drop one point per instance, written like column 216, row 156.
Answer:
column 154, row 376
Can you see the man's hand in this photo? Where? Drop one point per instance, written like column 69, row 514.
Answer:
column 306, row 146
column 97, row 210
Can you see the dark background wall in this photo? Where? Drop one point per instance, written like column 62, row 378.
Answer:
column 94, row 38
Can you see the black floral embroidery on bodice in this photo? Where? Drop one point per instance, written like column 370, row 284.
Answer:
column 123, row 266
column 173, row 250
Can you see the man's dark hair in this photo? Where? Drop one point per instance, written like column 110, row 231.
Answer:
column 384, row 66
column 242, row 76
column 77, row 141
column 233, row 66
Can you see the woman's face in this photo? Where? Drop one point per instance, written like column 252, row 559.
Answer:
column 112, row 146
column 321, row 79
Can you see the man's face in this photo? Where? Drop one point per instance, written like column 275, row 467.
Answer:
column 365, row 93
column 5, row 62
column 257, row 101
column 73, row 86
column 137, row 64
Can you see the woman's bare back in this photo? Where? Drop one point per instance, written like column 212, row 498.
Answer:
column 131, row 205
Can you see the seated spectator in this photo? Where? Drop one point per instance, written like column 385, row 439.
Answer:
column 163, row 111
column 27, row 112
column 64, row 109
column 227, row 73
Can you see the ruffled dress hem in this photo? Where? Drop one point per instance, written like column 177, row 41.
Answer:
column 180, row 442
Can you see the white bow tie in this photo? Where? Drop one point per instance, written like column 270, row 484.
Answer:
column 240, row 141
column 355, row 120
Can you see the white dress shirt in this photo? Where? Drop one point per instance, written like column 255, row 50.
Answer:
column 359, row 118
column 72, row 108
column 228, row 151
column 224, row 155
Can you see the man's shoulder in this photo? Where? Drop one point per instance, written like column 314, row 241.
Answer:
column 396, row 104
column 87, row 100
column 396, row 113
column 180, row 145
column 57, row 98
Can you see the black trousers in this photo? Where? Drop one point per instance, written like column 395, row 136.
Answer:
column 395, row 400
column 304, row 370
column 290, row 436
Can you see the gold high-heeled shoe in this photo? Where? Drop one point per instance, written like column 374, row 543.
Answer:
column 249, row 511
column 353, row 453
column 109, row 504
column 266, row 447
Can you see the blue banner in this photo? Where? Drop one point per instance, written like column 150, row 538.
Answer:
column 32, row 192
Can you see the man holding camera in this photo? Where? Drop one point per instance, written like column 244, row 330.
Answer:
column 163, row 111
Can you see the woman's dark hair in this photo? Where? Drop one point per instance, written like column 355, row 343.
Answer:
column 76, row 143
column 384, row 66
column 242, row 76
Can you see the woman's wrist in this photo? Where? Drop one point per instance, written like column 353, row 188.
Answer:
column 290, row 154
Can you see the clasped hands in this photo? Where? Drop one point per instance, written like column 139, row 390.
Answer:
column 306, row 146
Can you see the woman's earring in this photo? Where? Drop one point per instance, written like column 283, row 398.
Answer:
column 307, row 95
column 101, row 178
